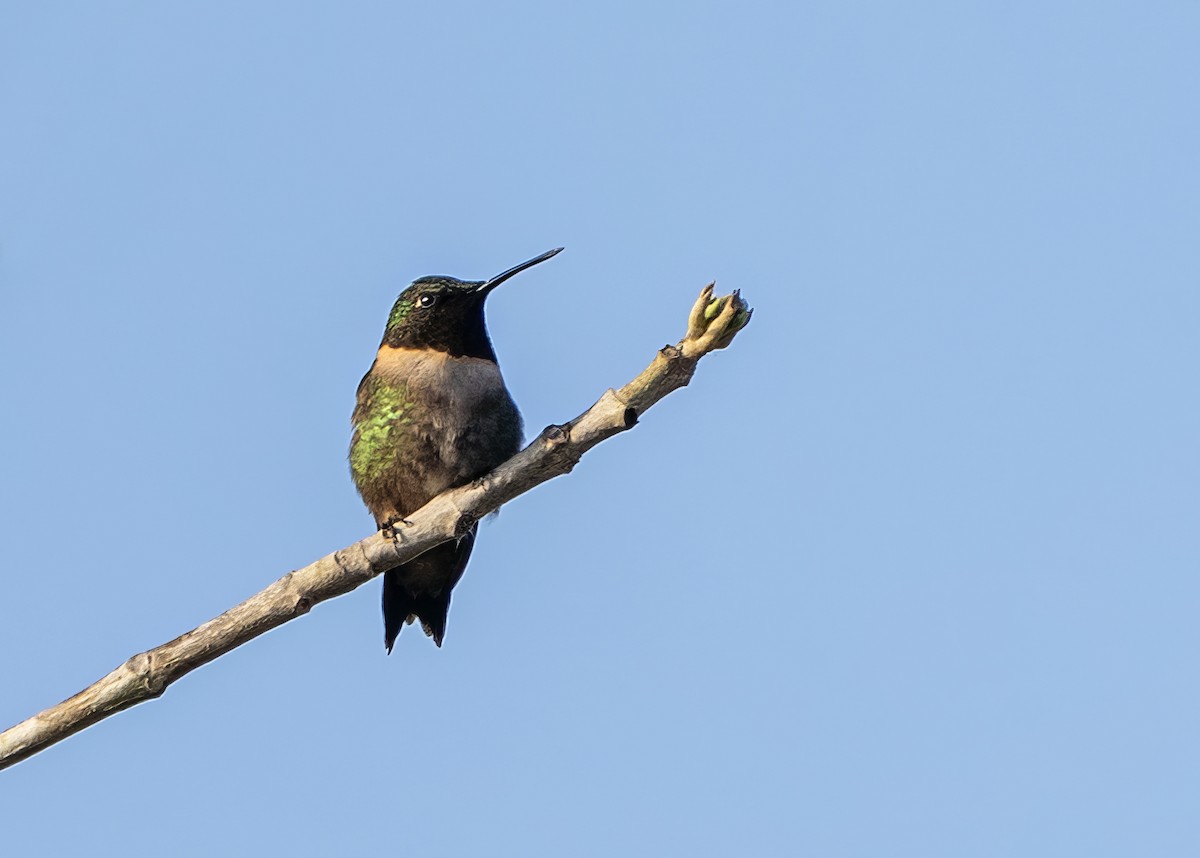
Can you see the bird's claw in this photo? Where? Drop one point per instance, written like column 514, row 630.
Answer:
column 388, row 531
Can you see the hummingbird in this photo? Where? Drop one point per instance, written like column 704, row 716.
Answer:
column 433, row 413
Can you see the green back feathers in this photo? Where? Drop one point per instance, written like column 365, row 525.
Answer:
column 383, row 409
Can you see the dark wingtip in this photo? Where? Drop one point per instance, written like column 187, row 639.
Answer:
column 435, row 626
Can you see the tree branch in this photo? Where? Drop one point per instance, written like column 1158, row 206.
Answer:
column 712, row 325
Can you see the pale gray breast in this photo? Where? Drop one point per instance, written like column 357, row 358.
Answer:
column 463, row 382
column 425, row 371
column 461, row 398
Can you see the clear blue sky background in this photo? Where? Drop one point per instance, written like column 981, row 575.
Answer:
column 912, row 569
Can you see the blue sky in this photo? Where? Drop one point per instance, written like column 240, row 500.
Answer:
column 911, row 569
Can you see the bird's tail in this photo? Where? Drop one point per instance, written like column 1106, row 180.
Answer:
column 420, row 589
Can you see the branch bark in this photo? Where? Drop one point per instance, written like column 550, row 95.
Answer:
column 712, row 325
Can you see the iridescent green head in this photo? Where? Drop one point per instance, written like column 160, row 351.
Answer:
column 446, row 314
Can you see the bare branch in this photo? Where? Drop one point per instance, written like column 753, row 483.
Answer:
column 712, row 324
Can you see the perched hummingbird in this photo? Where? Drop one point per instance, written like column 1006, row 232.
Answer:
column 433, row 413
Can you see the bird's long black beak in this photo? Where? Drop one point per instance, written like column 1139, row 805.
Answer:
column 489, row 285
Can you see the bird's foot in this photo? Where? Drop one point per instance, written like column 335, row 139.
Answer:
column 388, row 531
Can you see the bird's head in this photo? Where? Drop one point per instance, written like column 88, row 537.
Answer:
column 446, row 314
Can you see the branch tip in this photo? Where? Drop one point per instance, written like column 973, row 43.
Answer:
column 714, row 322
column 696, row 321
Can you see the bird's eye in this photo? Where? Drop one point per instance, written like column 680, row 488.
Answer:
column 427, row 300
